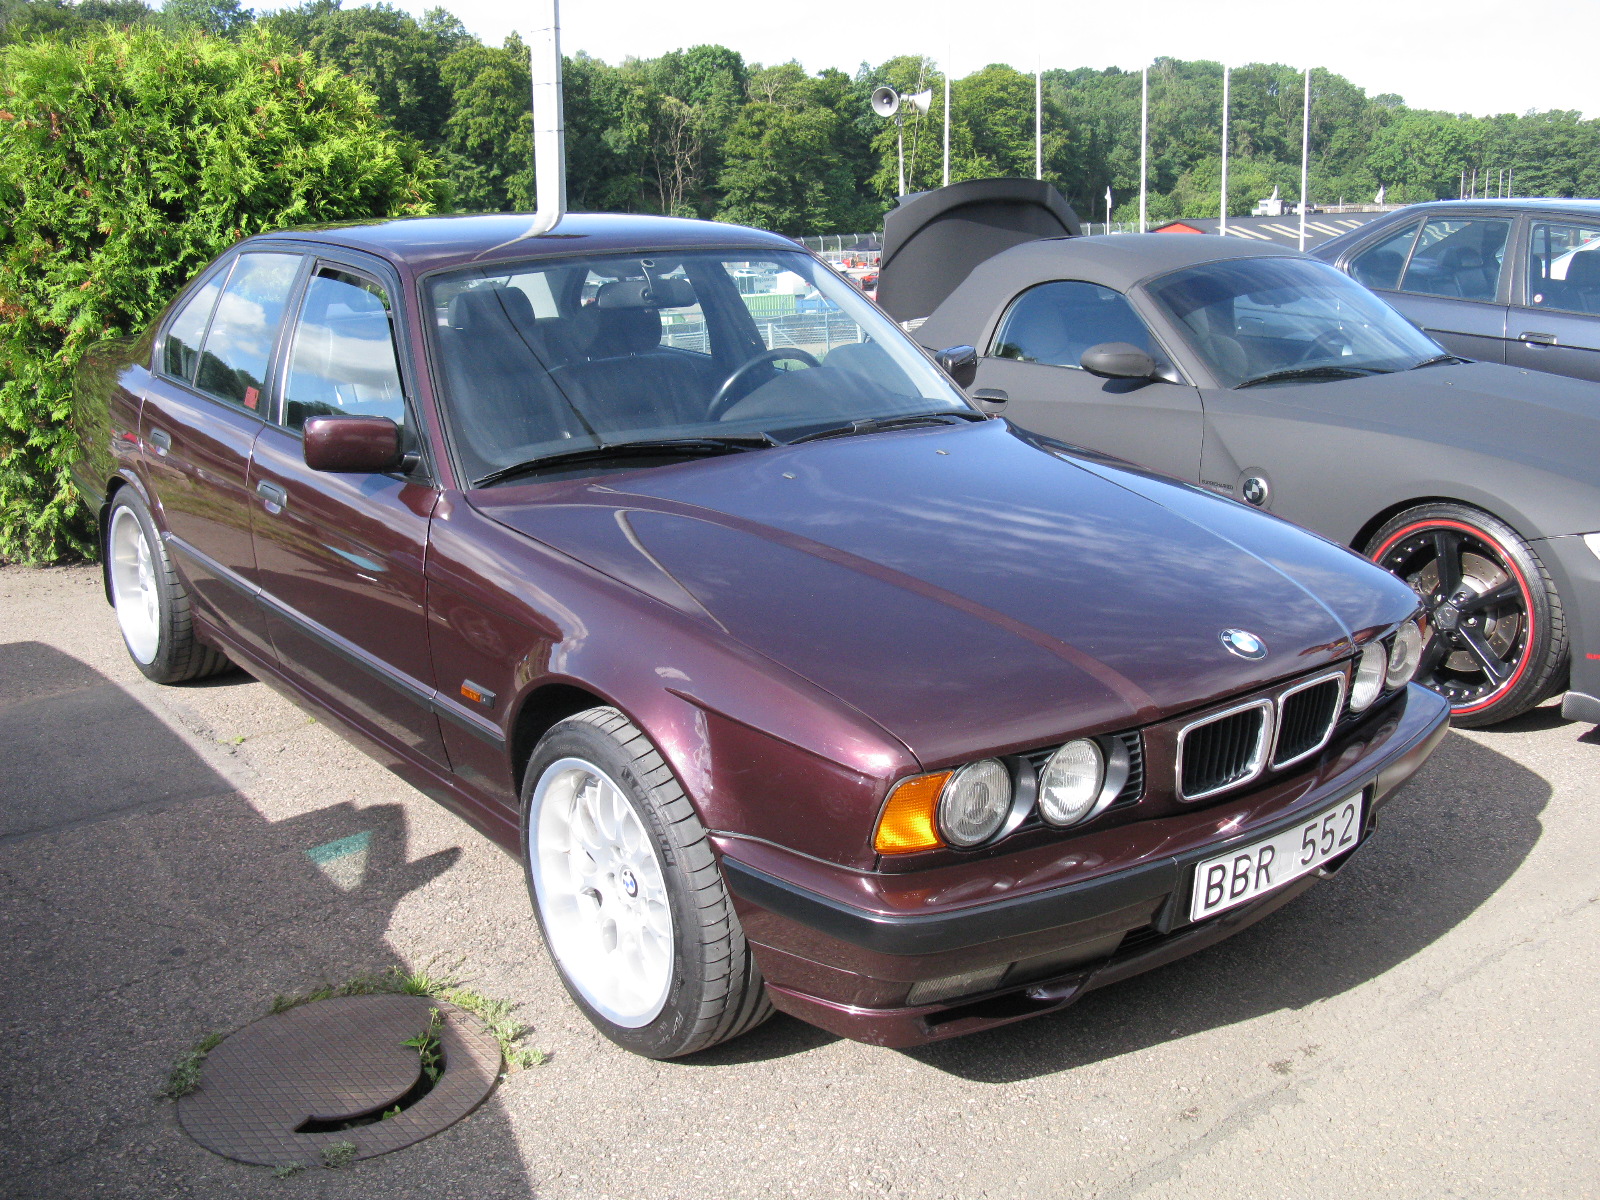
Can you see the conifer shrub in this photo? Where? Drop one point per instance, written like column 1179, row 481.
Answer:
column 128, row 160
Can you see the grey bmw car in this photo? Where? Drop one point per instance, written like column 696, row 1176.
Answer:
column 1268, row 376
column 1512, row 281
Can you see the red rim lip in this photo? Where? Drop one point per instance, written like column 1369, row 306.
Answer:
column 1522, row 585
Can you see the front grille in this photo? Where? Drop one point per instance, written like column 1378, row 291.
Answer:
column 1306, row 716
column 1134, row 787
column 1223, row 750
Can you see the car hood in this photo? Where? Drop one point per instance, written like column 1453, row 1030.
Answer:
column 970, row 589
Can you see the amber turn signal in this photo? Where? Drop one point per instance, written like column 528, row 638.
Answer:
column 909, row 820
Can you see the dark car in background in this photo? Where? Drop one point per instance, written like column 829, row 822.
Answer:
column 1506, row 281
column 1262, row 374
column 792, row 678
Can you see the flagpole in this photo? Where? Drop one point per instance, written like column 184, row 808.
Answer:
column 950, row 55
column 1223, row 228
column 1305, row 157
column 1144, row 148
column 1038, row 118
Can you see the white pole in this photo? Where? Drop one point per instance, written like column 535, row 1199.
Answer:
column 1144, row 149
column 1305, row 157
column 1038, row 119
column 1223, row 228
column 1108, row 210
column 900, row 144
column 947, row 123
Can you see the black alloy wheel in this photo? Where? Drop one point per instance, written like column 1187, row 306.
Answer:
column 1497, row 642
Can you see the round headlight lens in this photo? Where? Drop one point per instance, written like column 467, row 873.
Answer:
column 975, row 802
column 1404, row 656
column 1071, row 781
column 1370, row 670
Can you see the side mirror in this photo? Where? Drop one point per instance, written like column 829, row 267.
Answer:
column 1118, row 360
column 959, row 362
column 990, row 400
column 363, row 445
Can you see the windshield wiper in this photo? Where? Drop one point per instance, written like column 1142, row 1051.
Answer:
column 1438, row 360
column 643, row 448
column 1323, row 372
column 879, row 424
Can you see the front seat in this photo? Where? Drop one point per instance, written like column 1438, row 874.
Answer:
column 629, row 381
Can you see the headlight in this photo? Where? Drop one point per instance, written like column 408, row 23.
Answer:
column 1404, row 656
column 975, row 802
column 1070, row 782
column 1370, row 670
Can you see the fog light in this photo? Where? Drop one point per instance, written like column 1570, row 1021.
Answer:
column 1404, row 656
column 1370, row 670
column 949, row 987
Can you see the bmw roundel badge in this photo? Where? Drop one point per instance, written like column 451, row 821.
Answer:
column 1244, row 643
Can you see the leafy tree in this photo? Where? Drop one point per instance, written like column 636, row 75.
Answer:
column 221, row 18
column 128, row 161
column 22, row 20
column 488, row 137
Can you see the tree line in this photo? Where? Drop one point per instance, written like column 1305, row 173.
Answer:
column 701, row 132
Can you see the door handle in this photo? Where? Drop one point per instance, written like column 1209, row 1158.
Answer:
column 161, row 440
column 273, row 497
column 1538, row 339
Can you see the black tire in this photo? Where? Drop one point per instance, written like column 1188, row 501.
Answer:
column 1499, row 638
column 175, row 654
column 715, row 991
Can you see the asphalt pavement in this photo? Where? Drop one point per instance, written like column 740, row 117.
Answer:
column 172, row 858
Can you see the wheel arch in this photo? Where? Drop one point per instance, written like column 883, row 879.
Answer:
column 539, row 711
column 1377, row 521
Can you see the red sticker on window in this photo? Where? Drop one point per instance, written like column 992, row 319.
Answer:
column 251, row 395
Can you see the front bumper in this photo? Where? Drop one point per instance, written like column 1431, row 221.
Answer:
column 843, row 949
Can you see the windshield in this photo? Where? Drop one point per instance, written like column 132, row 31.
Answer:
column 1254, row 317
column 564, row 355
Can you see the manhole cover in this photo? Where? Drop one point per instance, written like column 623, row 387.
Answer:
column 330, row 1062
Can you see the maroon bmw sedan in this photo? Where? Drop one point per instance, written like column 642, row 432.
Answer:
column 796, row 679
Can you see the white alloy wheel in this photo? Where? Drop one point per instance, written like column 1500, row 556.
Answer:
column 133, row 586
column 598, row 883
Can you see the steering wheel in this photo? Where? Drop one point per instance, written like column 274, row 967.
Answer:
column 726, row 398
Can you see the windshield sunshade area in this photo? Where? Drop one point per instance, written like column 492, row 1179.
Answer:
column 1251, row 319
column 704, row 351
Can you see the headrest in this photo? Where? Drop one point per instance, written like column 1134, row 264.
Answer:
column 1462, row 258
column 613, row 332
column 1583, row 268
column 645, row 293
column 490, row 308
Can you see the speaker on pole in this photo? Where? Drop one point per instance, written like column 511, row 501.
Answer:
column 921, row 101
column 885, row 102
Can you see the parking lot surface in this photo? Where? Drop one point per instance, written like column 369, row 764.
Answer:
column 172, row 858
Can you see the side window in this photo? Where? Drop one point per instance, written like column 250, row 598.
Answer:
column 1460, row 258
column 180, row 354
column 343, row 361
column 1564, row 267
column 1056, row 322
column 1379, row 265
column 233, row 365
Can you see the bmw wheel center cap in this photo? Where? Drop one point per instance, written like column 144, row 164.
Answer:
column 1244, row 643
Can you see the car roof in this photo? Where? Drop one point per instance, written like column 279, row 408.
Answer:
column 428, row 243
column 1121, row 260
column 1528, row 204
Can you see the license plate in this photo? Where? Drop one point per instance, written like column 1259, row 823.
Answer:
column 1241, row 875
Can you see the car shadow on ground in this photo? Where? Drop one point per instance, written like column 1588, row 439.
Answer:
column 144, row 902
column 1443, row 847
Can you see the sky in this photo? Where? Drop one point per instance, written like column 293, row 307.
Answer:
column 1470, row 56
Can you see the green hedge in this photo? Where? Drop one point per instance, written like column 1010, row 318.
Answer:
column 128, row 160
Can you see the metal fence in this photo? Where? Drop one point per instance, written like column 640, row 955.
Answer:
column 841, row 243
column 816, row 332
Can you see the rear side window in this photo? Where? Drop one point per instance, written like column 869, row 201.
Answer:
column 1379, row 266
column 238, row 347
column 1564, row 267
column 343, row 361
column 1055, row 323
column 1458, row 258
column 181, row 351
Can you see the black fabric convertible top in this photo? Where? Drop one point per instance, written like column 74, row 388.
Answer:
column 932, row 240
column 1117, row 261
